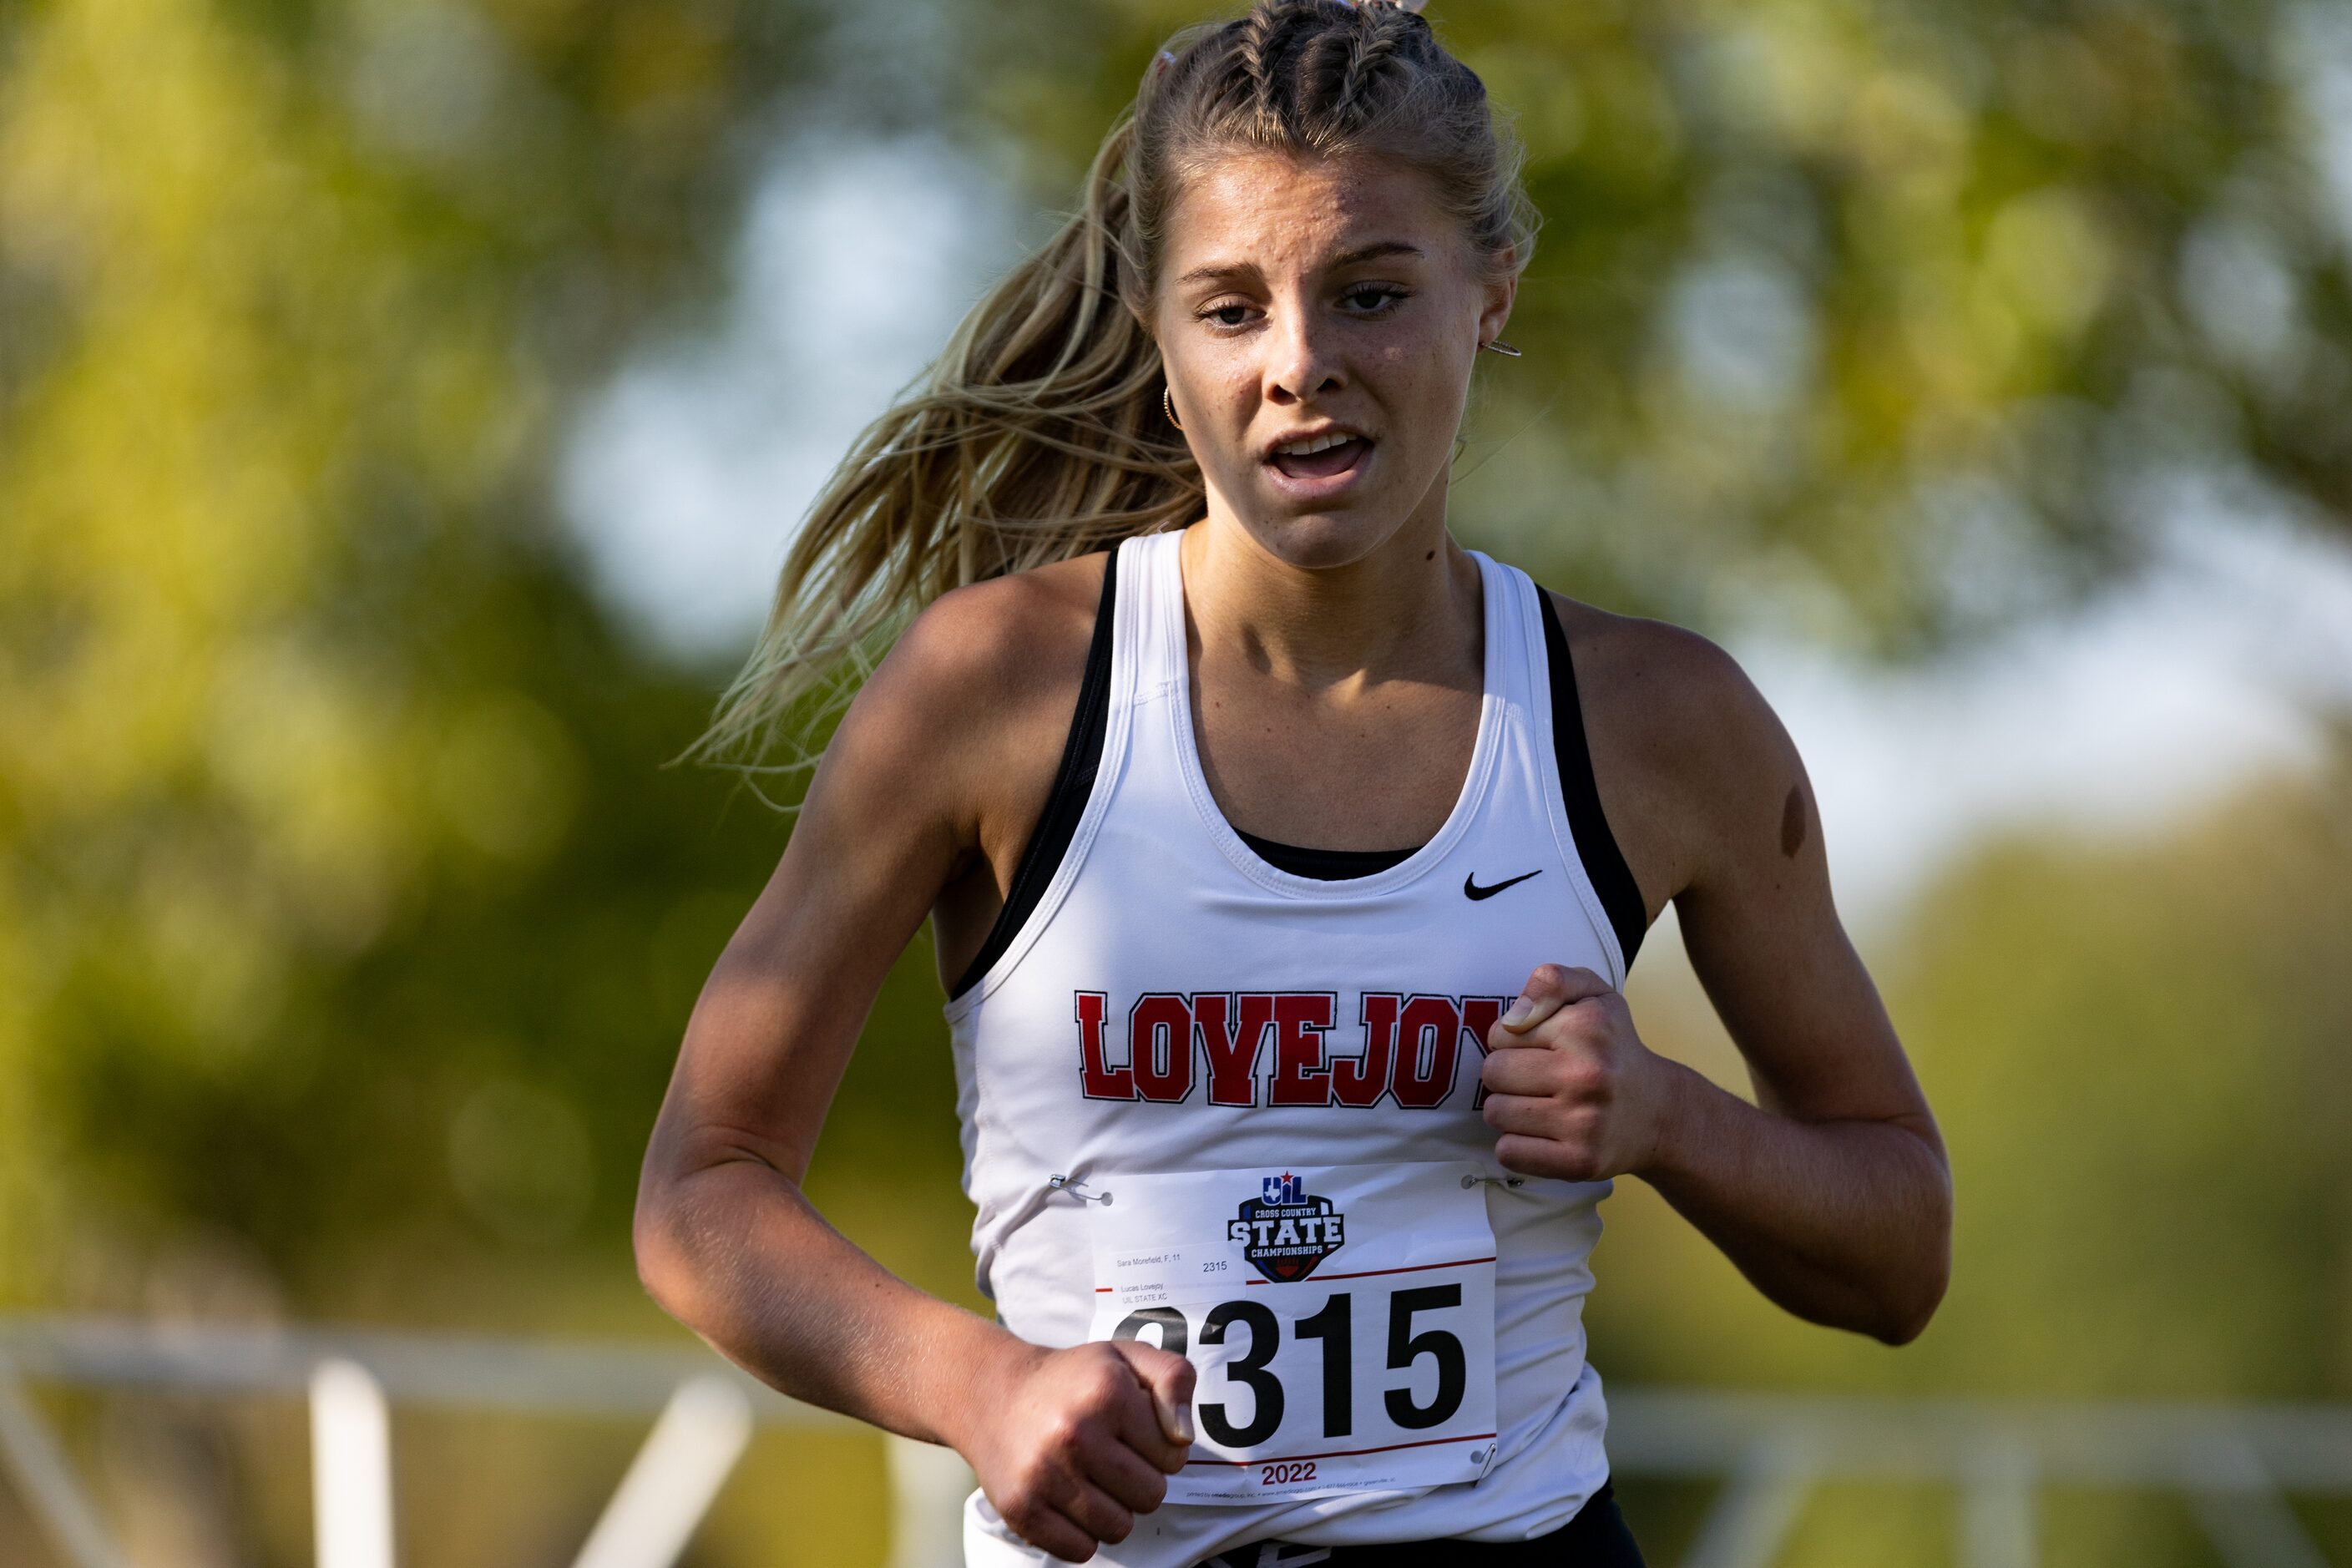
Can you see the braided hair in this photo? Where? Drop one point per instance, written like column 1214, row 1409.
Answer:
column 1324, row 77
column 1309, row 80
column 1038, row 434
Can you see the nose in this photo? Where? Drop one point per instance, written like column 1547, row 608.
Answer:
column 1302, row 360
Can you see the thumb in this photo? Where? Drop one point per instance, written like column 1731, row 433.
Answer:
column 1549, row 989
column 1168, row 1378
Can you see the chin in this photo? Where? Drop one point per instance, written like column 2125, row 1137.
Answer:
column 1319, row 540
column 1319, row 535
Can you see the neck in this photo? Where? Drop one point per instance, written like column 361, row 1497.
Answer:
column 1409, row 610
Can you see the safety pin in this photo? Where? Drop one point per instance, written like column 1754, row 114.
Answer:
column 1071, row 1184
column 1469, row 1182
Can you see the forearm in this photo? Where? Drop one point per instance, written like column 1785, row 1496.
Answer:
column 736, row 1252
column 1846, row 1223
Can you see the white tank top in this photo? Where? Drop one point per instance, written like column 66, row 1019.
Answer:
column 1158, row 897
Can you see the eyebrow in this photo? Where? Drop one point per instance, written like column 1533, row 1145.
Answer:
column 1372, row 252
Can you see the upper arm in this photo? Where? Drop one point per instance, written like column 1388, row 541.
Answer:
column 895, row 810
column 1755, row 909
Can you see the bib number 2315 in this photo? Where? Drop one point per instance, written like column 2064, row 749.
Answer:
column 1343, row 1319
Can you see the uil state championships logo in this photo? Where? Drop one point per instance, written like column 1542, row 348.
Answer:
column 1284, row 1232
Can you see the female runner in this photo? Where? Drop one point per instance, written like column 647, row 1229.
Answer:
column 1284, row 860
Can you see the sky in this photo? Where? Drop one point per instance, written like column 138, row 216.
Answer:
column 687, row 476
column 858, row 254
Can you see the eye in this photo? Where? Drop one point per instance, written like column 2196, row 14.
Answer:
column 1361, row 300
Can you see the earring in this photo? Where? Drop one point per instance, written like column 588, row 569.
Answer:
column 1500, row 347
column 1169, row 402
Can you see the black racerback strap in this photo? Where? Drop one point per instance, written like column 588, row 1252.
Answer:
column 1621, row 896
column 1074, row 783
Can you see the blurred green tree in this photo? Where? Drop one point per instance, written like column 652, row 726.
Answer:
column 338, row 864
column 2136, row 1051
column 1873, row 321
column 347, row 924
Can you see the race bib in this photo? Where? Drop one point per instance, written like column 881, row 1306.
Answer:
column 1342, row 1318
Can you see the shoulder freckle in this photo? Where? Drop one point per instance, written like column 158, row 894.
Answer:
column 1792, row 823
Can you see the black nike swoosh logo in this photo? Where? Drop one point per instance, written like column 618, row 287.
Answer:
column 1471, row 890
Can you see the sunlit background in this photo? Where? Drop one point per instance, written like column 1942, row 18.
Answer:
column 404, row 405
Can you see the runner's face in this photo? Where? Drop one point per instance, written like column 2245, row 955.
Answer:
column 1298, row 294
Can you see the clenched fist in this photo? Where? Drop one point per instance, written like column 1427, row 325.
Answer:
column 1568, row 1084
column 1071, row 1445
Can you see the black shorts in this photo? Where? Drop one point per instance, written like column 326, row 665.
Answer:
column 1595, row 1538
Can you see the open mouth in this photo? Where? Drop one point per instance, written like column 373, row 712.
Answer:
column 1325, row 462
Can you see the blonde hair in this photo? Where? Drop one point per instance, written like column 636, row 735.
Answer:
column 1038, row 434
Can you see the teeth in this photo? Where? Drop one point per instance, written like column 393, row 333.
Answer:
column 1313, row 443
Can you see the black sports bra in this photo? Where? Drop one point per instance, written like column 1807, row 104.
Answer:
column 1325, row 865
column 1073, row 782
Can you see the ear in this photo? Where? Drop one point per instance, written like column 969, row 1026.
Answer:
column 1500, row 294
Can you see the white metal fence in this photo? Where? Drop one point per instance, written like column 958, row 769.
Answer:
column 2233, row 1463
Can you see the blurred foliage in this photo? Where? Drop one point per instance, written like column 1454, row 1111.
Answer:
column 2136, row 1054
column 328, row 800
column 348, row 924
column 1885, row 313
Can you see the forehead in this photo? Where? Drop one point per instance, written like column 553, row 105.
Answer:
column 1279, row 211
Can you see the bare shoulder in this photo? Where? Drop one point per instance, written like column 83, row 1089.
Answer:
column 978, row 653
column 959, row 725
column 1687, row 753
column 956, row 735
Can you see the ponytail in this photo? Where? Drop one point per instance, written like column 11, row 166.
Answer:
column 1038, row 435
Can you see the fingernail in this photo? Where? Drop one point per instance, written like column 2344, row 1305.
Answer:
column 1517, row 1014
column 1184, row 1426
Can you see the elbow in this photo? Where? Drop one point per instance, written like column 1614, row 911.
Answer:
column 1921, row 1286
column 650, row 1239
column 659, row 1236
column 1907, row 1318
column 694, row 1214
